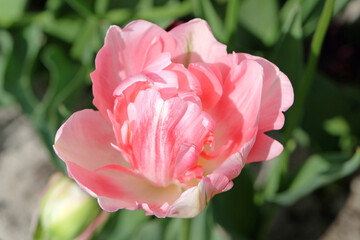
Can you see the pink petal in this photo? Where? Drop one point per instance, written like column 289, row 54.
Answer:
column 237, row 112
column 277, row 95
column 194, row 200
column 140, row 46
column 118, row 187
column 211, row 85
column 187, row 82
column 160, row 128
column 85, row 139
column 196, row 43
column 265, row 148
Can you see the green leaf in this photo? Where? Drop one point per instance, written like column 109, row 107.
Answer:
column 6, row 48
column 295, row 115
column 202, row 227
column 260, row 17
column 101, row 6
column 54, row 5
column 337, row 126
column 81, row 7
column 122, row 225
column 275, row 173
column 11, row 11
column 164, row 15
column 66, row 29
column 86, row 42
column 312, row 12
column 230, row 18
column 318, row 171
column 151, row 230
column 235, row 210
column 288, row 52
column 61, row 69
column 316, row 113
column 27, row 44
column 64, row 85
column 118, row 16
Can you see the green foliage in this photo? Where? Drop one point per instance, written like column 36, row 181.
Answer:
column 47, row 52
column 236, row 210
column 318, row 170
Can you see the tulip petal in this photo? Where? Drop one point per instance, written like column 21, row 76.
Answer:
column 237, row 112
column 211, row 85
column 160, row 128
column 194, row 200
column 265, row 148
column 187, row 82
column 189, row 204
column 118, row 187
column 196, row 43
column 140, row 46
column 277, row 95
column 77, row 141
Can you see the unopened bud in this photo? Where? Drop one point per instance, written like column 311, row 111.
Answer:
column 66, row 211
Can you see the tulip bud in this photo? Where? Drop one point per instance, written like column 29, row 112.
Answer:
column 66, row 211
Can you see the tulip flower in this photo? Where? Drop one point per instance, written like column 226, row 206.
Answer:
column 177, row 119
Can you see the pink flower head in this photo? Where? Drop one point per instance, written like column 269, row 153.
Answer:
column 178, row 119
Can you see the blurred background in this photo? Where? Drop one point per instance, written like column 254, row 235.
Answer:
column 312, row 191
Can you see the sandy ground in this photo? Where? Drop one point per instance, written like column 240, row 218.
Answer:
column 25, row 168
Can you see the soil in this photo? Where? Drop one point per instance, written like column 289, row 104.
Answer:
column 24, row 169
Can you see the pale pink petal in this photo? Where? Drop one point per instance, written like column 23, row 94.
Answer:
column 237, row 112
column 196, row 43
column 160, row 128
column 85, row 139
column 187, row 82
column 194, row 200
column 211, row 85
column 220, row 180
column 118, row 187
column 140, row 46
column 277, row 94
column 131, row 86
column 265, row 148
column 126, row 92
column 189, row 204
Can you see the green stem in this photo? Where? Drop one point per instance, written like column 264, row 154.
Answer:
column 186, row 227
column 295, row 115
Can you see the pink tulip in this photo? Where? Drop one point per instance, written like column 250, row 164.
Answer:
column 178, row 119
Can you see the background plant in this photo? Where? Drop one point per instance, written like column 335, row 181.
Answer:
column 47, row 51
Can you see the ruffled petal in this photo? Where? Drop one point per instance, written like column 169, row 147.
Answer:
column 265, row 148
column 167, row 135
column 187, row 82
column 85, row 139
column 118, row 187
column 194, row 200
column 140, row 46
column 211, row 85
column 277, row 95
column 189, row 204
column 237, row 112
column 196, row 43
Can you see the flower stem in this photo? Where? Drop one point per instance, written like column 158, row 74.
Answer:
column 302, row 89
column 186, row 227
